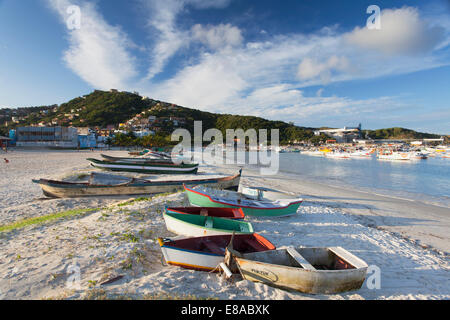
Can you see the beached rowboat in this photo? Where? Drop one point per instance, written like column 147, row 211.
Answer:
column 206, row 253
column 229, row 213
column 136, row 159
column 209, row 197
column 196, row 226
column 128, row 166
column 109, row 185
column 308, row 270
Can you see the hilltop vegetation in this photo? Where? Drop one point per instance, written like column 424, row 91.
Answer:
column 398, row 133
column 110, row 108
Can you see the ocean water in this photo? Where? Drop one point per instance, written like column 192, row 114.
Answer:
column 423, row 180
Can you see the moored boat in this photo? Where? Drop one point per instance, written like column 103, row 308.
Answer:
column 196, row 225
column 129, row 166
column 109, row 185
column 229, row 213
column 209, row 197
column 308, row 270
column 206, row 253
column 393, row 155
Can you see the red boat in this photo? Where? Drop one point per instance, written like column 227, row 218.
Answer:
column 230, row 213
column 206, row 253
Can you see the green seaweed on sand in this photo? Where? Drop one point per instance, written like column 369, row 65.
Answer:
column 45, row 219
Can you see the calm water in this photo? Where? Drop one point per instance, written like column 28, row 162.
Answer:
column 426, row 180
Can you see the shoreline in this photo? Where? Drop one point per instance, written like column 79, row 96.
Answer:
column 115, row 249
column 375, row 215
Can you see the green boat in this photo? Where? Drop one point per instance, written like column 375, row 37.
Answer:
column 128, row 166
column 191, row 225
column 209, row 197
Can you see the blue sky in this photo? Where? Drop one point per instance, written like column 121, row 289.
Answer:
column 311, row 62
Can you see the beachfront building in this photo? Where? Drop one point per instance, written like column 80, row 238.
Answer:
column 53, row 137
column 343, row 135
column 4, row 142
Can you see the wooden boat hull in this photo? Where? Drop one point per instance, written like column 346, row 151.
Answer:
column 277, row 269
column 203, row 200
column 160, row 168
column 60, row 189
column 229, row 213
column 198, row 226
column 136, row 160
column 199, row 254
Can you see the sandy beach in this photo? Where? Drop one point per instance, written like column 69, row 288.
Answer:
column 114, row 249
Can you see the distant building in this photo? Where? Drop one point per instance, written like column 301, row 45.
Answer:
column 57, row 137
column 87, row 141
column 344, row 135
column 4, row 142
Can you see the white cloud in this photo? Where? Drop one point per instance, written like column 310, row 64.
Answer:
column 98, row 51
column 310, row 68
column 402, row 32
column 217, row 37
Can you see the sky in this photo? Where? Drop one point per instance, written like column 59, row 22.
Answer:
column 314, row 63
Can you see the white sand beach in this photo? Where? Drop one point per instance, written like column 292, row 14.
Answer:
column 115, row 250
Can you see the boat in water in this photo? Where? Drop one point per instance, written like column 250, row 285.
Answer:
column 394, row 155
column 100, row 184
column 191, row 225
column 337, row 155
column 307, row 270
column 210, row 197
column 206, row 253
column 136, row 166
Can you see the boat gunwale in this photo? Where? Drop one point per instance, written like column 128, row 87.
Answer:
column 68, row 184
column 227, row 231
column 242, row 206
column 177, row 210
column 156, row 165
column 299, row 268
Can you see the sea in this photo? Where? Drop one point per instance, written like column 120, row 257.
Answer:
column 426, row 180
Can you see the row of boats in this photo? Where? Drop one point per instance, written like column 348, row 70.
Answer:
column 215, row 236
column 216, row 229
column 391, row 154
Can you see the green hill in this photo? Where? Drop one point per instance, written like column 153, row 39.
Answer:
column 102, row 108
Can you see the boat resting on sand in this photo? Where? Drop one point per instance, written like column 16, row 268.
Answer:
column 229, row 213
column 100, row 184
column 208, row 197
column 308, row 270
column 160, row 168
column 191, row 225
column 206, row 253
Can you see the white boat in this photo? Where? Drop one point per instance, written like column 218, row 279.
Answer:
column 262, row 193
column 308, row 270
column 206, row 253
column 313, row 153
column 394, row 155
column 191, row 225
column 337, row 155
column 365, row 154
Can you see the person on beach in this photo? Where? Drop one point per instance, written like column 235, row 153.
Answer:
column 6, row 160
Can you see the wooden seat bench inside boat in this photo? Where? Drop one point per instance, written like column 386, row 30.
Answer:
column 299, row 259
